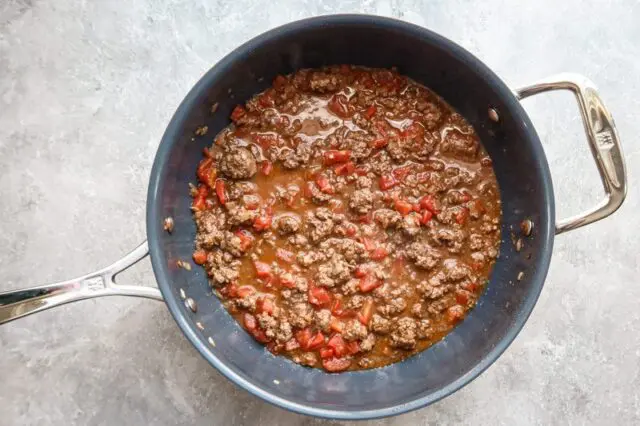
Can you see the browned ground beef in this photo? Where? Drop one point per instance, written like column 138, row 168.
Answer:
column 347, row 218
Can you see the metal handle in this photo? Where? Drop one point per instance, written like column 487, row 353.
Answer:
column 19, row 303
column 603, row 140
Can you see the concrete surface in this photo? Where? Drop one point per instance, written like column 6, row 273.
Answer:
column 86, row 89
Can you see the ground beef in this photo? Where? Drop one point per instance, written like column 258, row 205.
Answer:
column 355, row 302
column 351, row 250
column 222, row 267
column 380, row 324
column 422, row 255
column 404, row 333
column 459, row 145
column 368, row 343
column 211, row 225
column 239, row 215
column 237, row 163
column 288, row 224
column 425, row 331
column 453, row 239
column 284, row 332
column 319, row 224
column 334, row 272
column 411, row 225
column 307, row 358
column 322, row 82
column 387, row 218
column 322, row 319
column 361, row 201
column 308, row 258
column 354, row 330
column 300, row 315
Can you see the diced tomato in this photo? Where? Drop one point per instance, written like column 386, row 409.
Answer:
column 360, row 271
column 351, row 230
column 319, row 296
column 265, row 304
column 238, row 112
column 379, row 253
column 286, row 280
column 336, row 308
column 387, row 182
column 334, row 365
column 266, row 167
column 428, row 203
column 345, row 169
column 246, row 239
column 402, row 206
column 361, row 171
column 222, row 196
column 338, row 345
column 229, row 291
column 316, row 341
column 266, row 99
column 368, row 283
column 455, row 313
column 263, row 270
column 249, row 321
column 345, row 69
column 338, row 106
column 471, row 286
column 462, row 215
column 380, row 143
column 353, row 348
column 426, row 217
column 336, row 325
column 279, row 82
column 285, row 255
column 200, row 200
column 401, row 173
column 334, row 157
column 265, row 140
column 245, row 290
column 398, row 266
column 366, row 218
column 200, row 257
column 364, row 316
column 476, row 266
column 462, row 297
column 303, row 337
column 466, row 197
column 260, row 336
column 326, row 353
column 206, row 172
column 291, row 345
column 262, row 222
column 369, row 244
column 370, row 112
column 415, row 130
column 323, row 183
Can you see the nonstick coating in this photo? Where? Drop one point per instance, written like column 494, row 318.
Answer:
column 525, row 186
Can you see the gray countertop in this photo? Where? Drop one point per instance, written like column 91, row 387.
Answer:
column 86, row 90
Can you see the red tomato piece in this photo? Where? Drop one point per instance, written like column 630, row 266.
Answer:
column 200, row 257
column 361, row 271
column 199, row 203
column 403, row 207
column 260, row 336
column 428, row 203
column 319, row 296
column 263, row 270
column 369, row 244
column 353, row 348
column 338, row 345
column 238, row 112
column 230, row 290
column 326, row 353
column 222, row 196
column 336, row 325
column 368, row 283
column 366, row 218
column 401, row 172
column 266, row 167
column 338, row 106
column 380, row 143
column 334, row 365
column 206, row 173
column 334, row 157
column 462, row 215
column 345, row 169
column 303, row 337
column 265, row 140
column 426, row 217
column 351, row 230
column 266, row 99
column 323, row 183
column 245, row 290
column 246, row 239
column 337, row 308
column 316, row 341
column 265, row 304
column 263, row 221
column 364, row 316
column 361, row 171
column 379, row 253
column 415, row 130
column 387, row 182
column 471, row 286
column 279, row 82
column 370, row 112
column 462, row 297
column 249, row 321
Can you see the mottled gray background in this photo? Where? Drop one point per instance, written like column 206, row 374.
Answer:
column 86, row 89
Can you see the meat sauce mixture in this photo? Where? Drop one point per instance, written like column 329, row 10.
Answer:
column 348, row 218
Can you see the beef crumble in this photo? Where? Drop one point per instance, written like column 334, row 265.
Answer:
column 348, row 218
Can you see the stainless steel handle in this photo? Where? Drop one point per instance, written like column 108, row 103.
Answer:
column 19, row 303
column 603, row 140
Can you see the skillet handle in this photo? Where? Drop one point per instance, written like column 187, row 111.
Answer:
column 19, row 303
column 603, row 140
